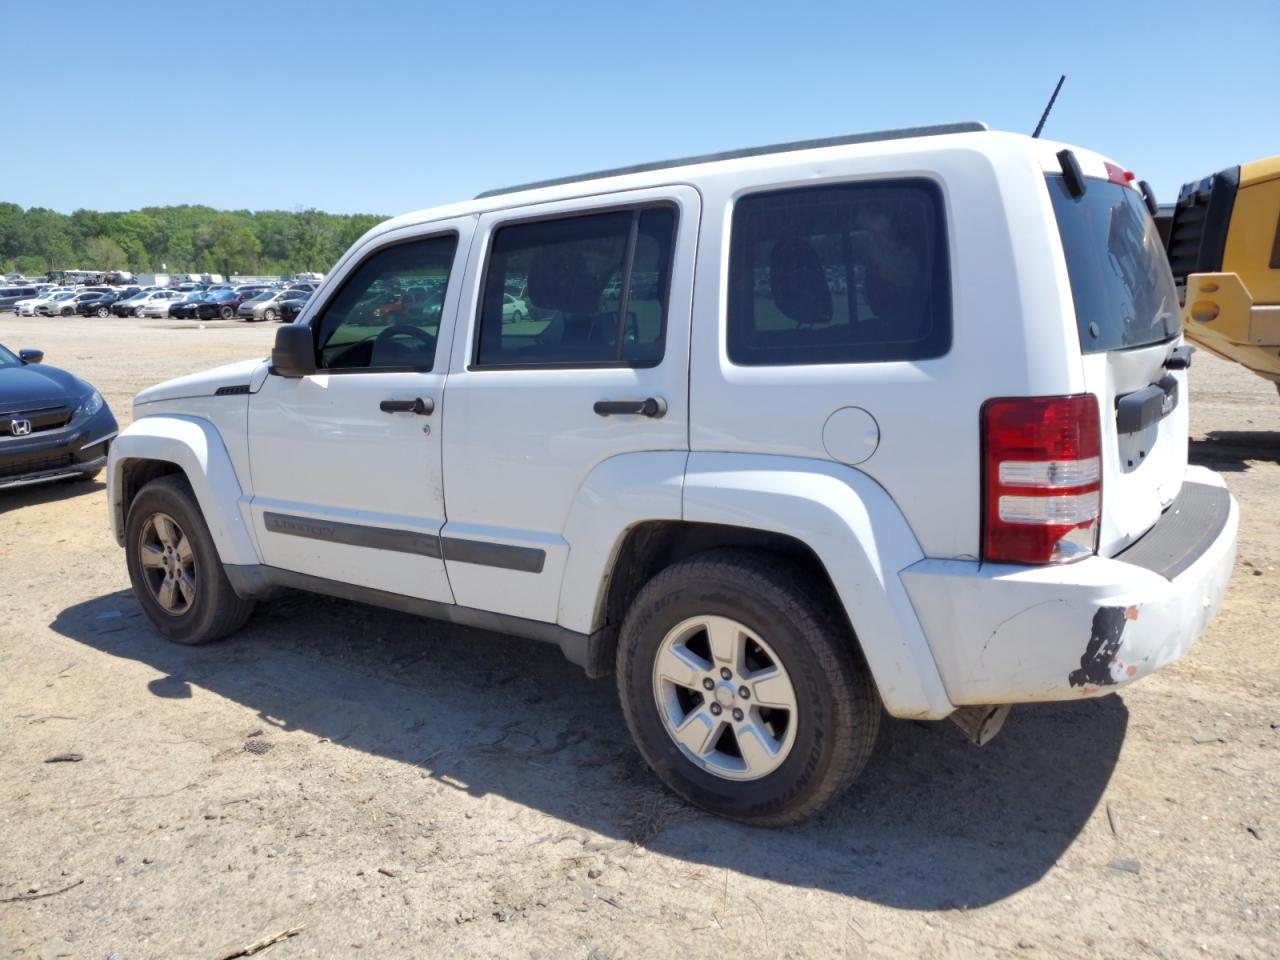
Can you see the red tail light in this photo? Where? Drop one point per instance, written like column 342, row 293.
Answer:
column 1118, row 174
column 1041, row 479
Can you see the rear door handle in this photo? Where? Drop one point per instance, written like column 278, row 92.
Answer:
column 649, row 407
column 416, row 405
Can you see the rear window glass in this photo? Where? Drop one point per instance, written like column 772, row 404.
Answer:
column 852, row 273
column 1120, row 279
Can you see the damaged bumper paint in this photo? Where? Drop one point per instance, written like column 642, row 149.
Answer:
column 1004, row 634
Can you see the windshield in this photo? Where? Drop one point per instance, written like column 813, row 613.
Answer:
column 197, row 297
column 1120, row 278
column 260, row 297
column 7, row 359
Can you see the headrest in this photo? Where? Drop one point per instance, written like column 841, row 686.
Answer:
column 800, row 288
column 559, row 280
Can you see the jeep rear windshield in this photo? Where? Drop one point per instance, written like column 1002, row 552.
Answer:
column 1120, row 279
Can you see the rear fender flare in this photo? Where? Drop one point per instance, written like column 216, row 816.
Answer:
column 619, row 493
column 863, row 541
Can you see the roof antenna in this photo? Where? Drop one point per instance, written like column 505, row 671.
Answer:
column 1045, row 116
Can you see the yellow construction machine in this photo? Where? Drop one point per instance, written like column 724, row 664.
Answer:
column 1223, row 241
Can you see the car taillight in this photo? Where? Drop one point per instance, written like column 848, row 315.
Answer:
column 1119, row 175
column 1041, row 479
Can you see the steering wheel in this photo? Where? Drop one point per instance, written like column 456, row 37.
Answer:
column 398, row 328
column 385, row 337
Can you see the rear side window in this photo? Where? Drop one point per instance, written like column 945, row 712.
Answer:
column 849, row 273
column 1120, row 278
column 578, row 291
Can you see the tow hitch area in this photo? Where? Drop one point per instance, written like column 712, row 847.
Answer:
column 981, row 724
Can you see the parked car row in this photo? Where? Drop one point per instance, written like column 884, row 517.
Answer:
column 191, row 301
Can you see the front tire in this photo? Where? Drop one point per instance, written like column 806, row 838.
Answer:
column 741, row 687
column 174, row 566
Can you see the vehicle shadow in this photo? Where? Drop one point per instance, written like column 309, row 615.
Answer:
column 1231, row 450
column 52, row 492
column 934, row 823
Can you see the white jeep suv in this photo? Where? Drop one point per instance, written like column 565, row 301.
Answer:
column 886, row 422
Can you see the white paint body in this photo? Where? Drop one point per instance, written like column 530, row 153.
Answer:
column 875, row 466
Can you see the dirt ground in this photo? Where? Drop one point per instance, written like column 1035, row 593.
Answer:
column 396, row 788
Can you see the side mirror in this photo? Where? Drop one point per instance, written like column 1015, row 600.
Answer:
column 294, row 354
column 30, row 356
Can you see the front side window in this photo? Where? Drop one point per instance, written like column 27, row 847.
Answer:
column 848, row 273
column 578, row 291
column 387, row 314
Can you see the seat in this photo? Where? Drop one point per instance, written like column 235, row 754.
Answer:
column 800, row 288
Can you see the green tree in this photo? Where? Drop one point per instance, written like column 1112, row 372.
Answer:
column 308, row 241
column 233, row 247
column 103, row 253
column 183, row 239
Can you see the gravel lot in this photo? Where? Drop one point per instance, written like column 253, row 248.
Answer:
column 394, row 787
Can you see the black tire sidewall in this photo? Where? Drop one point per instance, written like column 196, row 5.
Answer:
column 823, row 713
column 173, row 497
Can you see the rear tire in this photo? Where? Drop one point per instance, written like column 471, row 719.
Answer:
column 166, row 533
column 782, row 620
column 268, row 314
column 226, row 313
column 103, row 313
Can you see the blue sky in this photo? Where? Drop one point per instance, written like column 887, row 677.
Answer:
column 383, row 107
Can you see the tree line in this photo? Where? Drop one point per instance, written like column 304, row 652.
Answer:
column 186, row 239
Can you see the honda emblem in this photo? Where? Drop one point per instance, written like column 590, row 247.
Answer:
column 19, row 428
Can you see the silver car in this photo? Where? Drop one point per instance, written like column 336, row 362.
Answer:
column 266, row 305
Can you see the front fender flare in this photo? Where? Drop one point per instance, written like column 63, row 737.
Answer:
column 861, row 538
column 195, row 447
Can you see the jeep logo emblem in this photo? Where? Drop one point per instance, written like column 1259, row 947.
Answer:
column 19, row 428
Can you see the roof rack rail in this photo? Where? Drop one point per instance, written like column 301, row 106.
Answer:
column 903, row 133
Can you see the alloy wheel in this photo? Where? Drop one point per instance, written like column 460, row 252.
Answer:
column 725, row 698
column 168, row 564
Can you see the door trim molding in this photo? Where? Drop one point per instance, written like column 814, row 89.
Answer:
column 353, row 534
column 508, row 556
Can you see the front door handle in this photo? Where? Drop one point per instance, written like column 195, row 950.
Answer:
column 416, row 405
column 649, row 407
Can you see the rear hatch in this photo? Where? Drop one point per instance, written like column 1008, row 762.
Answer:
column 1128, row 319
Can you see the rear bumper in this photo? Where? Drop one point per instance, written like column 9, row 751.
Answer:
column 80, row 447
column 1007, row 634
